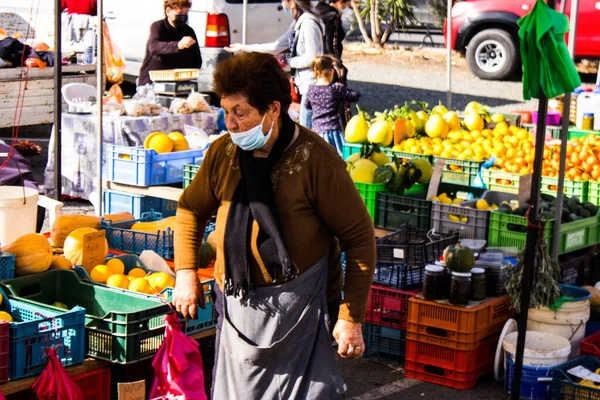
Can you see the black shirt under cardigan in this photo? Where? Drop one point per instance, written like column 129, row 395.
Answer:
column 162, row 51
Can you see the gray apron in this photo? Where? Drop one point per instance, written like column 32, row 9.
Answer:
column 277, row 345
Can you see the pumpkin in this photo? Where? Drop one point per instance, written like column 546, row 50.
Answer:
column 206, row 255
column 33, row 254
column 459, row 259
column 73, row 247
column 65, row 224
column 60, row 262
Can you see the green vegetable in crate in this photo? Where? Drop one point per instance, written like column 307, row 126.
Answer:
column 545, row 290
column 459, row 259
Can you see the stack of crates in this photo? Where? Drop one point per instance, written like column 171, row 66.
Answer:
column 384, row 329
column 453, row 346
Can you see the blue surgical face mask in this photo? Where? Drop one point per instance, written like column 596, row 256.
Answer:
column 288, row 11
column 253, row 138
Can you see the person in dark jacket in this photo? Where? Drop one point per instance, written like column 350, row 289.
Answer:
column 172, row 43
column 334, row 34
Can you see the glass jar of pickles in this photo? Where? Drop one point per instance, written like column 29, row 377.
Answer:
column 588, row 122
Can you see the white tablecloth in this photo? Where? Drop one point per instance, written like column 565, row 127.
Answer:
column 79, row 143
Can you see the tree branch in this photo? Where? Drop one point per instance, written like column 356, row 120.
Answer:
column 361, row 24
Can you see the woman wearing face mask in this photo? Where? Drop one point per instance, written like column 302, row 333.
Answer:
column 172, row 42
column 305, row 42
column 285, row 206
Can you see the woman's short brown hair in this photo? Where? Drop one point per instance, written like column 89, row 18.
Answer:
column 257, row 76
column 177, row 4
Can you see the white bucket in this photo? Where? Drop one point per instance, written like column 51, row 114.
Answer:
column 542, row 349
column 568, row 321
column 18, row 216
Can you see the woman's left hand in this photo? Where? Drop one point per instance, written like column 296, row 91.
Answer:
column 349, row 337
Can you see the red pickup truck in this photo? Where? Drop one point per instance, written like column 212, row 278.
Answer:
column 485, row 31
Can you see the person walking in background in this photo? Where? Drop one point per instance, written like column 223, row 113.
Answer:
column 326, row 98
column 172, row 43
column 305, row 42
column 334, row 34
column 346, row 12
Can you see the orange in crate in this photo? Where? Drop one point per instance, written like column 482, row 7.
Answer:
column 456, row 327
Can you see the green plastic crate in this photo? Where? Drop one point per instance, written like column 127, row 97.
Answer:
column 119, row 327
column 594, row 192
column 368, row 192
column 393, row 211
column 571, row 188
column 466, row 177
column 503, row 232
column 352, row 148
column 580, row 133
column 490, row 179
column 189, row 172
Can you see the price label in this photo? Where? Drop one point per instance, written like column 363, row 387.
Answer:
column 132, row 390
column 436, row 178
column 399, row 253
column 94, row 249
column 584, row 373
column 575, row 239
column 524, row 189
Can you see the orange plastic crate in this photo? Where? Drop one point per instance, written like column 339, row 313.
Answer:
column 459, row 320
column 455, row 360
column 452, row 340
column 388, row 307
column 445, row 377
column 95, row 385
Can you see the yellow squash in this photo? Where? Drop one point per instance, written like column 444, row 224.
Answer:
column 33, row 254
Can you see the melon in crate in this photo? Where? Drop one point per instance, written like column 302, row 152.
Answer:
column 33, row 254
column 73, row 247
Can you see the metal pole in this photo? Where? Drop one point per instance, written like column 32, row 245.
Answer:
column 244, row 21
column 564, row 133
column 532, row 237
column 449, row 55
column 57, row 100
column 99, row 96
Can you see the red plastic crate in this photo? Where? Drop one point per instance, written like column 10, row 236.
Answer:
column 95, row 385
column 4, row 347
column 388, row 307
column 590, row 346
column 445, row 377
column 452, row 359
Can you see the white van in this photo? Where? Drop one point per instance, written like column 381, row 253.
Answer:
column 217, row 23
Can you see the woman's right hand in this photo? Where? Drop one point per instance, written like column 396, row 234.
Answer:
column 189, row 293
column 235, row 48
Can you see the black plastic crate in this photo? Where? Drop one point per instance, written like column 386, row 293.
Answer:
column 575, row 268
column 393, row 211
column 399, row 275
column 564, row 385
column 384, row 344
column 413, row 247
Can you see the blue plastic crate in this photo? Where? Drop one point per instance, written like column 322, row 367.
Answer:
column 116, row 202
column 398, row 275
column 565, row 386
column 145, row 167
column 7, row 266
column 35, row 328
column 120, row 237
column 384, row 343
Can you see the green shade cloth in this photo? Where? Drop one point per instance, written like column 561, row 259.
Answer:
column 547, row 66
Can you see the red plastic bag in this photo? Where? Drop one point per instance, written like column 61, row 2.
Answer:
column 177, row 366
column 54, row 383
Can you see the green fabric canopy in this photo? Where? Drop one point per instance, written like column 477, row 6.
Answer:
column 547, row 65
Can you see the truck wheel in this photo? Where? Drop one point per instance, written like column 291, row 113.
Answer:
column 492, row 55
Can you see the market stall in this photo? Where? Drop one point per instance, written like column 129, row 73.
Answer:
column 79, row 157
